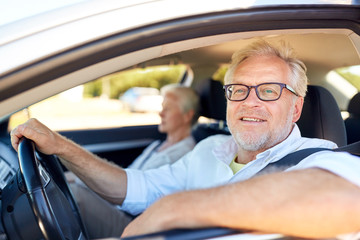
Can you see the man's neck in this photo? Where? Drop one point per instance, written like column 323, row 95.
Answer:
column 245, row 156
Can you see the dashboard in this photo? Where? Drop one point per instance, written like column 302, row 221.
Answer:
column 8, row 162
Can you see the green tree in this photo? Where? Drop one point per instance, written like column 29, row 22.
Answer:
column 118, row 83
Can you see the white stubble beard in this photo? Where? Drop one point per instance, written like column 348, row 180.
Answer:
column 251, row 142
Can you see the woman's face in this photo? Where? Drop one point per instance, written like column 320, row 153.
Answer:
column 172, row 115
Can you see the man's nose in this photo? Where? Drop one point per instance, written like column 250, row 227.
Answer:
column 252, row 95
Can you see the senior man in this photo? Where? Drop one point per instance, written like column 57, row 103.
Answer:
column 265, row 87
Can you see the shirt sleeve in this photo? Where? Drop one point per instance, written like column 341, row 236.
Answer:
column 145, row 187
column 342, row 164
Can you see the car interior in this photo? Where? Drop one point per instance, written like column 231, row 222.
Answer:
column 321, row 118
column 203, row 48
column 129, row 142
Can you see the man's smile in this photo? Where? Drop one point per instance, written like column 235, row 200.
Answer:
column 250, row 119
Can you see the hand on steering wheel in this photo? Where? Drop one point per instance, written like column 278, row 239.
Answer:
column 49, row 195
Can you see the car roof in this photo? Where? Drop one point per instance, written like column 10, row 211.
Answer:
column 53, row 51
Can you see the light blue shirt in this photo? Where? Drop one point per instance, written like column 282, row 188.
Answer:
column 151, row 158
column 208, row 166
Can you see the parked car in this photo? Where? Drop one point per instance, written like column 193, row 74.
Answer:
column 142, row 99
column 55, row 48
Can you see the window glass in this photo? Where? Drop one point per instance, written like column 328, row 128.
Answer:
column 220, row 73
column 126, row 98
column 344, row 83
column 351, row 74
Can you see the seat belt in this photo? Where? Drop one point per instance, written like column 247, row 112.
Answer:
column 295, row 157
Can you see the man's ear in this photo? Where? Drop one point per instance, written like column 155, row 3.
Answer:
column 298, row 108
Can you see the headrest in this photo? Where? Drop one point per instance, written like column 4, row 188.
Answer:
column 321, row 117
column 354, row 105
column 212, row 99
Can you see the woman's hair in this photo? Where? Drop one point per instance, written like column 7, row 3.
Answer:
column 188, row 98
column 298, row 78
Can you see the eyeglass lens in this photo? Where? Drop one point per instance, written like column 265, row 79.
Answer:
column 266, row 92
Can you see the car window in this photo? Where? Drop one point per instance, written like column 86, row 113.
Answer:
column 351, row 74
column 125, row 98
column 220, row 73
column 346, row 81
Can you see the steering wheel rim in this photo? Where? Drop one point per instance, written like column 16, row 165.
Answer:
column 52, row 165
column 36, row 179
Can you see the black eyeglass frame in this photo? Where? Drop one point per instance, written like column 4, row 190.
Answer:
column 282, row 85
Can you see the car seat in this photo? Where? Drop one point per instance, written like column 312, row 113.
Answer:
column 213, row 106
column 320, row 118
column 352, row 123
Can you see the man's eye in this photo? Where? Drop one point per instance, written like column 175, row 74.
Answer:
column 269, row 91
column 239, row 91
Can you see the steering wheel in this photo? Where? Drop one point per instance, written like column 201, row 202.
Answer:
column 49, row 195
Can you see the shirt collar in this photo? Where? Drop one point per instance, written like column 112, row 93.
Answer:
column 280, row 149
column 228, row 149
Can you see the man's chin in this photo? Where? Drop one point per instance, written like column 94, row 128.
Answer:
column 250, row 143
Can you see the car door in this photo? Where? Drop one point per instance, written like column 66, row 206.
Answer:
column 119, row 145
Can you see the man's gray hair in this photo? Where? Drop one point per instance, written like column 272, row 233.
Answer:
column 298, row 78
column 189, row 99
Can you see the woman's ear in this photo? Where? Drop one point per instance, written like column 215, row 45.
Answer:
column 189, row 116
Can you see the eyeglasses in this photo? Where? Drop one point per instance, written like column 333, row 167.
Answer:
column 264, row 91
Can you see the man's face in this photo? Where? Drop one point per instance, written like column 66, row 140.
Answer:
column 172, row 117
column 255, row 124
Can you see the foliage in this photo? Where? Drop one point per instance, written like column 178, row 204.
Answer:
column 114, row 85
column 350, row 76
column 93, row 89
column 220, row 73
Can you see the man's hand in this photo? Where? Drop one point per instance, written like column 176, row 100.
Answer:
column 46, row 140
column 148, row 222
column 105, row 178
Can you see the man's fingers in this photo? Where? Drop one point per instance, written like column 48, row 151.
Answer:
column 27, row 130
column 15, row 137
